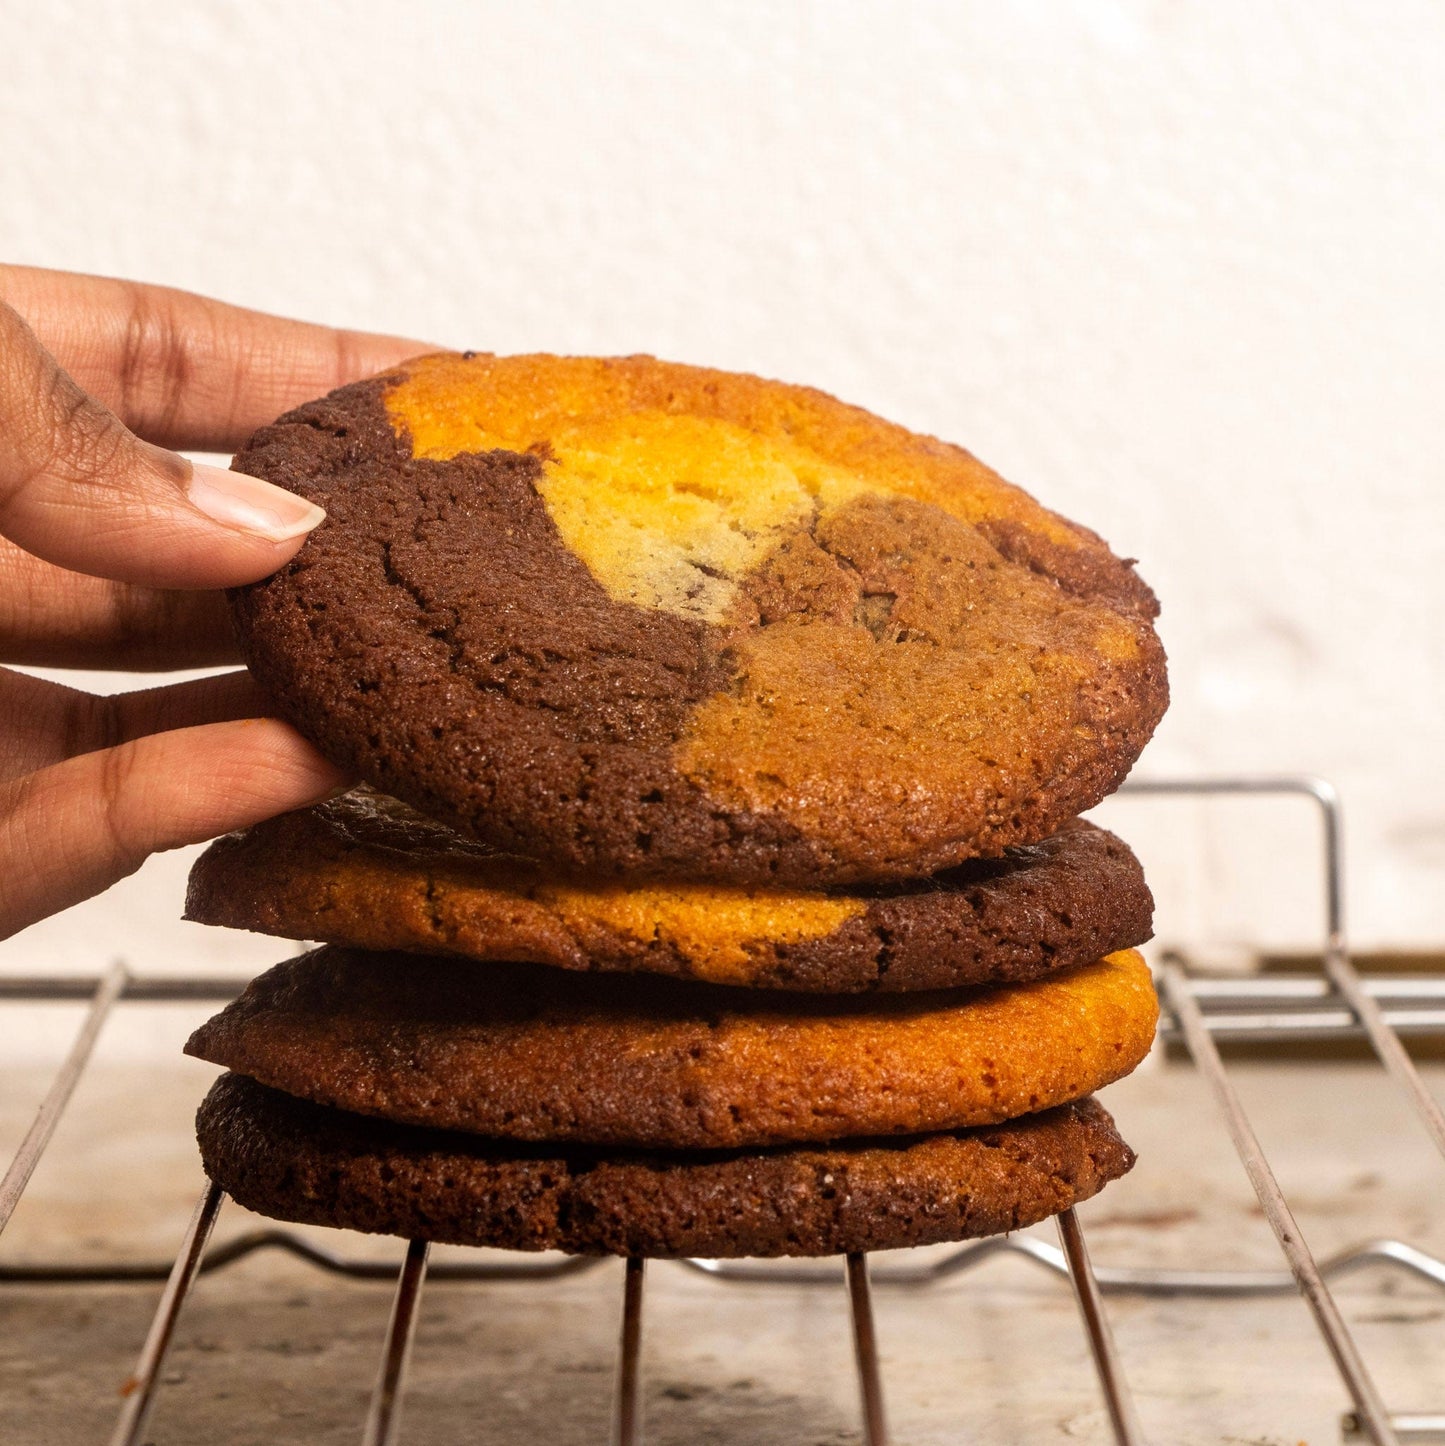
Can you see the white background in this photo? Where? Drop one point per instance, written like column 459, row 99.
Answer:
column 1176, row 268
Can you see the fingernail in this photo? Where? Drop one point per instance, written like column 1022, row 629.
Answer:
column 248, row 503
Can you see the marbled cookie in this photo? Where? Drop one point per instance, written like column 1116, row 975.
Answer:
column 367, row 871
column 529, row 1053
column 635, row 618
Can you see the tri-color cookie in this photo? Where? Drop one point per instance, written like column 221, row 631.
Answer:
column 635, row 618
column 303, row 1162
column 367, row 871
column 525, row 1052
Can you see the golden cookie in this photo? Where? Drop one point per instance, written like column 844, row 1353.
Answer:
column 528, row 1053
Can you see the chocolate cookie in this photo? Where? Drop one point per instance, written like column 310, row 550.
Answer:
column 629, row 617
column 528, row 1053
column 303, row 1162
column 367, row 871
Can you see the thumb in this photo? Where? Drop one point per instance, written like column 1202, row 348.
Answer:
column 79, row 490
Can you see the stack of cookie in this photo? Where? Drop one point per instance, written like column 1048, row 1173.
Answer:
column 717, row 887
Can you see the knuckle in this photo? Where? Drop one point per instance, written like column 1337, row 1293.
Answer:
column 117, row 806
column 348, row 357
column 342, row 356
column 93, row 724
column 53, row 427
column 88, row 442
column 154, row 371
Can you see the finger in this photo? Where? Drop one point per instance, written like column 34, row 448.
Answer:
column 44, row 723
column 222, row 698
column 79, row 490
column 181, row 370
column 74, row 829
column 52, row 617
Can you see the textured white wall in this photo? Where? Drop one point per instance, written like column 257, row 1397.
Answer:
column 1174, row 267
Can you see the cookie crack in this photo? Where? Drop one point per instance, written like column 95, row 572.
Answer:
column 442, row 632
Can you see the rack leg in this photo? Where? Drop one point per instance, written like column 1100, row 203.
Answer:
column 1369, row 1406
column 140, row 1389
column 865, row 1350
column 110, row 989
column 383, row 1420
column 626, row 1417
column 1117, row 1400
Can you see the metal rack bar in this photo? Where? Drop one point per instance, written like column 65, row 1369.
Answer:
column 140, row 1389
column 1252, row 1008
column 1380, row 1026
column 1121, row 1279
column 1368, row 1405
column 1251, row 991
column 1118, row 1400
column 383, row 1418
column 69, row 1272
column 626, row 1400
column 102, row 1000
column 155, row 989
column 1151, row 1281
column 1340, row 971
column 1309, row 1026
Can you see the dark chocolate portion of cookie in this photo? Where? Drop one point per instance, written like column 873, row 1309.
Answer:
column 1054, row 905
column 436, row 637
column 370, row 873
column 295, row 1161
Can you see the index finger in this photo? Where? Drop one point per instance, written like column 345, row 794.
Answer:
column 181, row 370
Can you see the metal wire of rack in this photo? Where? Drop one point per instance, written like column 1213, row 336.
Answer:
column 1198, row 1014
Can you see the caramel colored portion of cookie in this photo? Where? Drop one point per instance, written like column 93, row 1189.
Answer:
column 654, row 1063
column 367, row 871
column 296, row 1161
column 950, row 663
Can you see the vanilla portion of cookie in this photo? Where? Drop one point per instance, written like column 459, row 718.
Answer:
column 672, row 510
column 667, row 512
column 712, row 924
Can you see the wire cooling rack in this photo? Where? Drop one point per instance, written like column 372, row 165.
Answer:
column 1198, row 1014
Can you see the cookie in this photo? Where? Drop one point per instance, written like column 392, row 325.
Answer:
column 529, row 1053
column 303, row 1162
column 367, row 871
column 634, row 618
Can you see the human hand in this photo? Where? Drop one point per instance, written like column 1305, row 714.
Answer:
column 112, row 549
